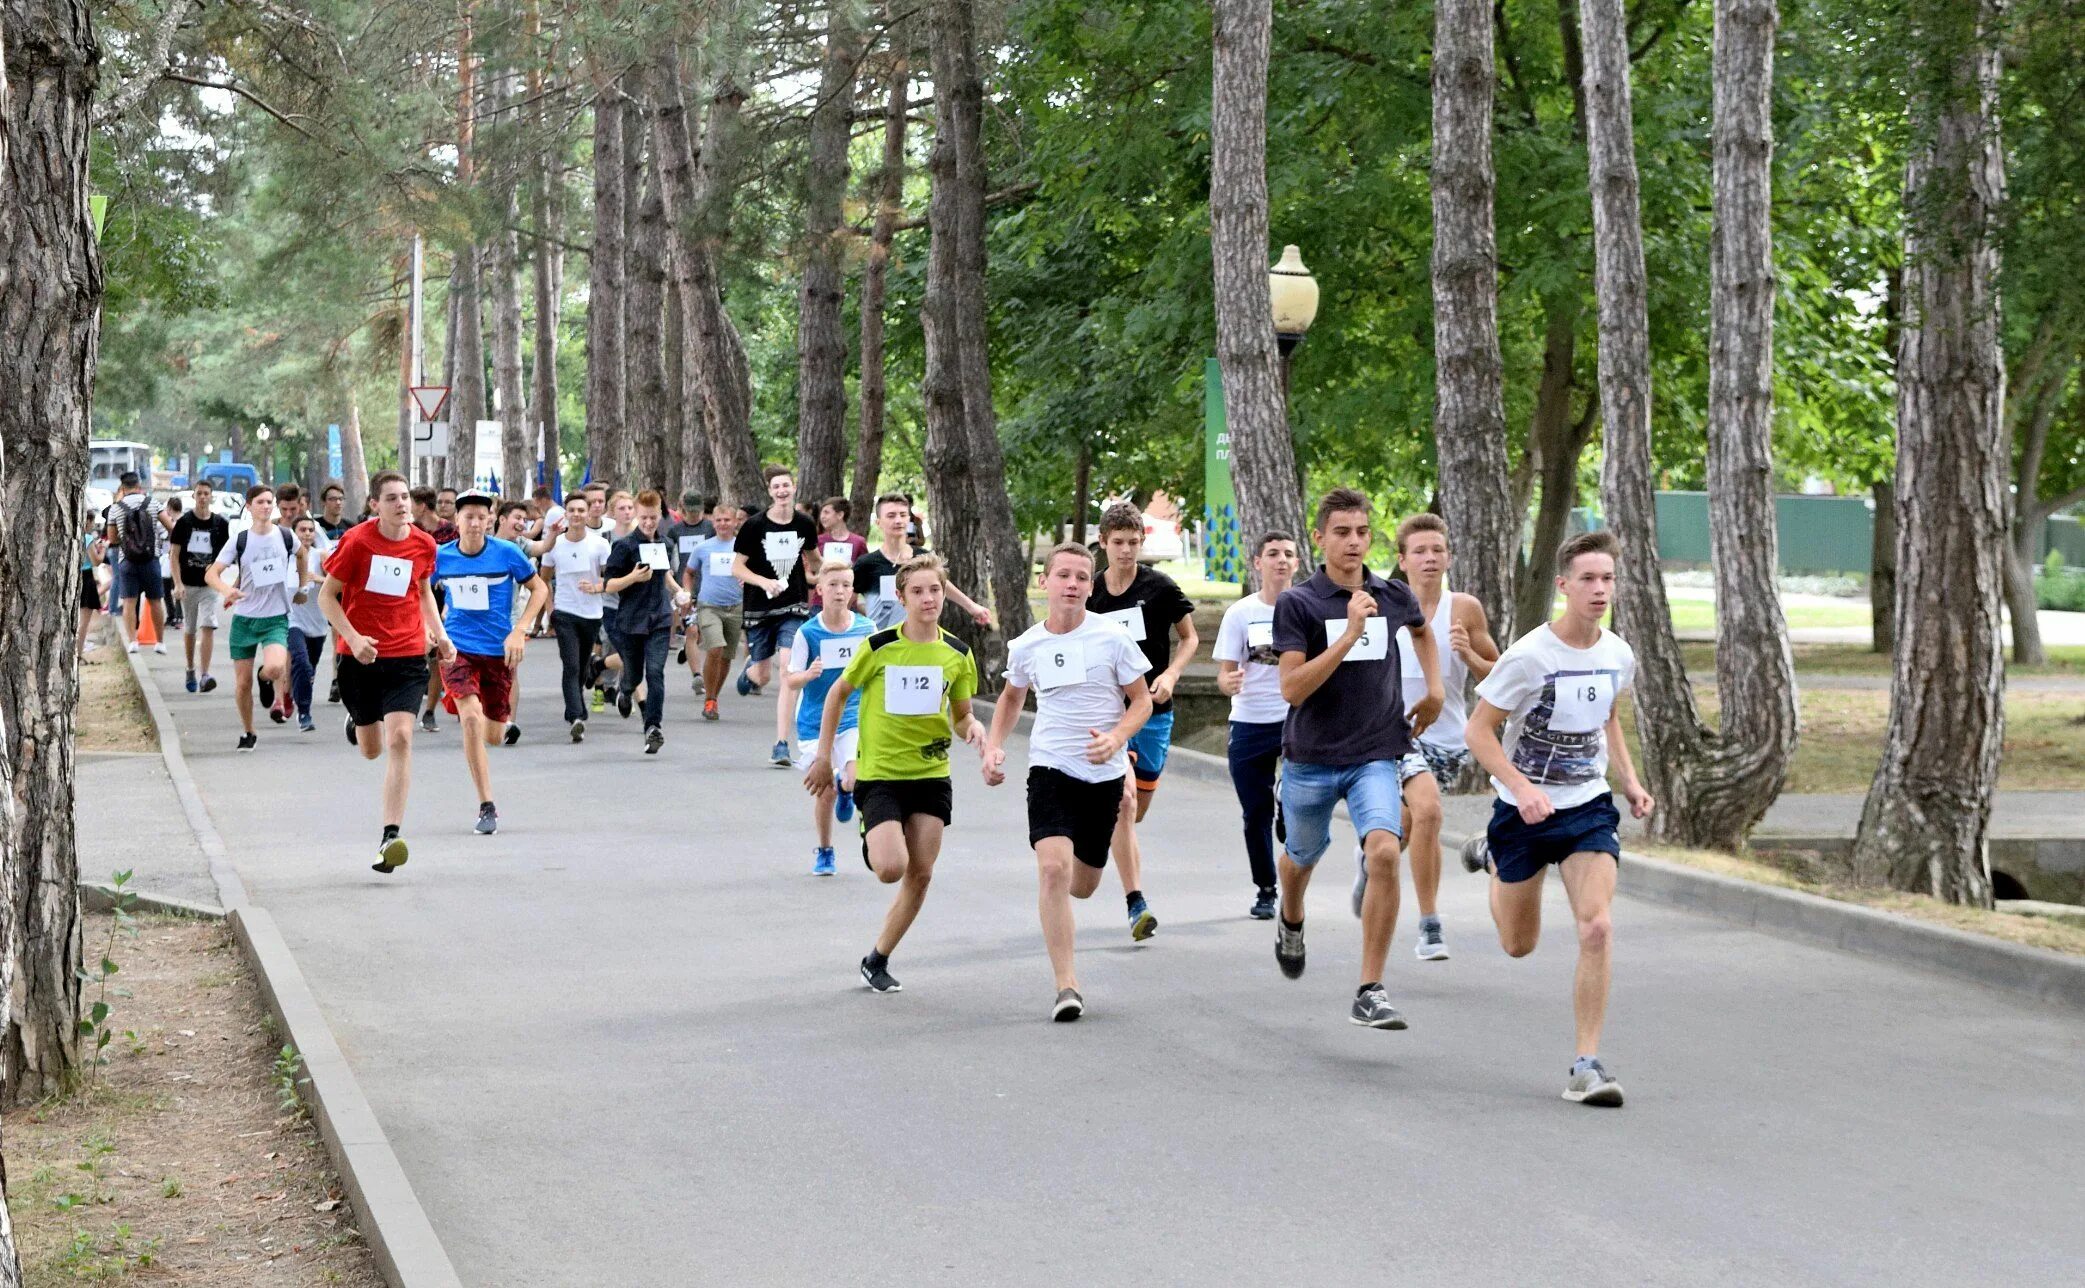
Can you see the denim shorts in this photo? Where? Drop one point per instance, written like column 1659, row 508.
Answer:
column 1373, row 792
column 1148, row 747
column 773, row 635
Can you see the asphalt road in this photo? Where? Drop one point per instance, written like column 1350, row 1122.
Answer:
column 623, row 1043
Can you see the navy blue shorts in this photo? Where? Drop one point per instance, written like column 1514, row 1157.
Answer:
column 1520, row 850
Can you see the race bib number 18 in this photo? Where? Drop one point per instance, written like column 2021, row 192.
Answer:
column 912, row 690
column 1582, row 703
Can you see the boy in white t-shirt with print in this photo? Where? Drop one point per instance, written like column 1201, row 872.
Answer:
column 1554, row 694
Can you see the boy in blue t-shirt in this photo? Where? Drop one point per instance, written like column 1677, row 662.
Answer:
column 479, row 574
column 824, row 645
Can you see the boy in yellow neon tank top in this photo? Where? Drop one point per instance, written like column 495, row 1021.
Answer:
column 916, row 682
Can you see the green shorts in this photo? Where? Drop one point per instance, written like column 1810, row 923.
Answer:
column 251, row 634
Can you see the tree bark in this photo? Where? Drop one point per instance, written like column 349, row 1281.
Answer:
column 1882, row 571
column 1263, row 454
column 696, row 190
column 516, row 440
column 2039, row 391
column 50, row 300
column 1924, row 825
column 1556, row 440
column 605, row 285
column 890, row 192
column 545, row 269
column 821, row 337
column 985, row 547
column 647, row 412
column 354, row 465
column 1469, row 398
column 467, row 350
column 672, row 362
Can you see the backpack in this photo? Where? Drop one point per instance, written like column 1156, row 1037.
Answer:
column 134, row 533
column 239, row 547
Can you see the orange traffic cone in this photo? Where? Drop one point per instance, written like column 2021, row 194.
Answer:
column 147, row 632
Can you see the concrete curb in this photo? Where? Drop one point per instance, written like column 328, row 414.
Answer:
column 98, row 897
column 408, row 1253
column 2030, row 972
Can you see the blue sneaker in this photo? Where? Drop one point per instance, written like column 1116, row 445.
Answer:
column 843, row 806
column 822, row 861
column 191, row 681
column 1142, row 925
column 746, row 687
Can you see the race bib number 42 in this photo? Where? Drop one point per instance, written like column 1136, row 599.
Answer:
column 1583, row 703
column 912, row 690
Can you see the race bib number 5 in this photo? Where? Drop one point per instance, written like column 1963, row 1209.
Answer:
column 1375, row 639
column 1583, row 703
column 912, row 690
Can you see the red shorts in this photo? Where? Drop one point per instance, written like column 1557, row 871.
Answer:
column 488, row 679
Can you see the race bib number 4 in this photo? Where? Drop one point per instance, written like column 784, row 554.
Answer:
column 471, row 594
column 1375, row 639
column 1583, row 703
column 1057, row 665
column 837, row 653
column 1129, row 619
column 912, row 690
column 388, row 575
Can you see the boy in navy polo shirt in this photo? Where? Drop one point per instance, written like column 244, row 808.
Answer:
column 1346, row 734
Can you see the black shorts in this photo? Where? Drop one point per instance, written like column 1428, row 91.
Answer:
column 1520, row 850
column 1060, row 805
column 90, row 591
column 374, row 690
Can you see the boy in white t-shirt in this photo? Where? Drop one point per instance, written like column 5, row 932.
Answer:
column 1249, row 671
column 1091, row 699
column 1554, row 692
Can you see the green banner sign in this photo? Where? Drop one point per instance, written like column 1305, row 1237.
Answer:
column 1222, row 559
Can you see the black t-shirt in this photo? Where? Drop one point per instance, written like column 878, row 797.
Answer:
column 194, row 563
column 1148, row 610
column 684, row 537
column 777, row 550
column 1357, row 714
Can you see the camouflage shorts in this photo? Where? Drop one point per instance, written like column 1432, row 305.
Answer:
column 1445, row 763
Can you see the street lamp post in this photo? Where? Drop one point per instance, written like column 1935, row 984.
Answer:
column 267, row 454
column 1293, row 292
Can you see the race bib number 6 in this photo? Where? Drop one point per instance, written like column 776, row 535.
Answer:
column 1057, row 665
column 912, row 690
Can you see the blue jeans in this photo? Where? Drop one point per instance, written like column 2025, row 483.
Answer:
column 305, row 651
column 1254, row 753
column 646, row 652
column 1374, row 793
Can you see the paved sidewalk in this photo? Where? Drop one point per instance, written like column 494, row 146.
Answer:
column 129, row 817
column 622, row 1043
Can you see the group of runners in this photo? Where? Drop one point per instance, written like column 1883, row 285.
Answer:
column 1346, row 686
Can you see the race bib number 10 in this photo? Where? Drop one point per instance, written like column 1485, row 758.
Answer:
column 388, row 575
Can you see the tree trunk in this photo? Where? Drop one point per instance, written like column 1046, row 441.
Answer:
column 648, row 410
column 467, row 350
column 696, row 189
column 672, row 362
column 1081, row 492
column 1469, row 398
column 636, row 426
column 1263, row 454
column 545, row 270
column 1556, row 440
column 2041, row 395
column 354, row 465
column 1924, row 824
column 1882, row 571
column 957, row 246
column 821, row 337
column 1671, row 732
column 50, row 301
column 516, row 441
column 890, row 191
column 605, row 285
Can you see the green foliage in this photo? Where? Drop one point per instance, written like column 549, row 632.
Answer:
column 288, row 1072
column 95, row 1023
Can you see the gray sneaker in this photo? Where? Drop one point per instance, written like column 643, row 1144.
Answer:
column 1372, row 1009
column 1360, row 878
column 1431, row 947
column 1069, row 1006
column 1476, row 854
column 1592, row 1084
column 1288, row 949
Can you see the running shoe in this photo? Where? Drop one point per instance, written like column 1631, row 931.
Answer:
column 267, row 691
column 746, row 687
column 654, row 738
column 1476, row 854
column 160, row 648
column 131, row 647
column 512, row 736
column 277, row 715
column 1142, row 925
column 191, row 681
column 579, row 731
column 1288, row 949
column 701, row 687
column 427, row 724
column 709, row 709
column 1070, row 1006
column 822, row 861
column 622, row 702
column 209, row 683
column 488, row 819
column 248, row 741
column 348, row 723
column 333, row 692
column 600, row 700
column 843, row 806
column 779, row 757
column 1431, row 947
column 1263, row 906
column 879, row 979
column 304, row 724
column 1372, row 1009
column 682, row 656
column 391, row 855
column 1592, row 1084
column 1360, row 878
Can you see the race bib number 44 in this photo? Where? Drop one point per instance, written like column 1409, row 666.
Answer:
column 912, row 690
column 388, row 575
column 1375, row 639
column 780, row 549
column 1582, row 704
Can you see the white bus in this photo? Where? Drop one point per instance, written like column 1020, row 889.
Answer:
column 108, row 459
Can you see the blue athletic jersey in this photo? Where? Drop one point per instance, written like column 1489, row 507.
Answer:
column 809, row 647
column 500, row 567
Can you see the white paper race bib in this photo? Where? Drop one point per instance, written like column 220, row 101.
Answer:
column 781, row 549
column 653, row 554
column 388, row 575
column 720, row 563
column 199, row 542
column 887, row 588
column 1375, row 639
column 471, row 594
column 1261, row 634
column 1129, row 619
column 688, row 545
column 837, row 651
column 1060, row 663
column 839, row 550
column 912, row 690
column 269, row 570
column 1583, row 703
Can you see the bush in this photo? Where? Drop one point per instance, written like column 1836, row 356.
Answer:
column 2057, row 587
